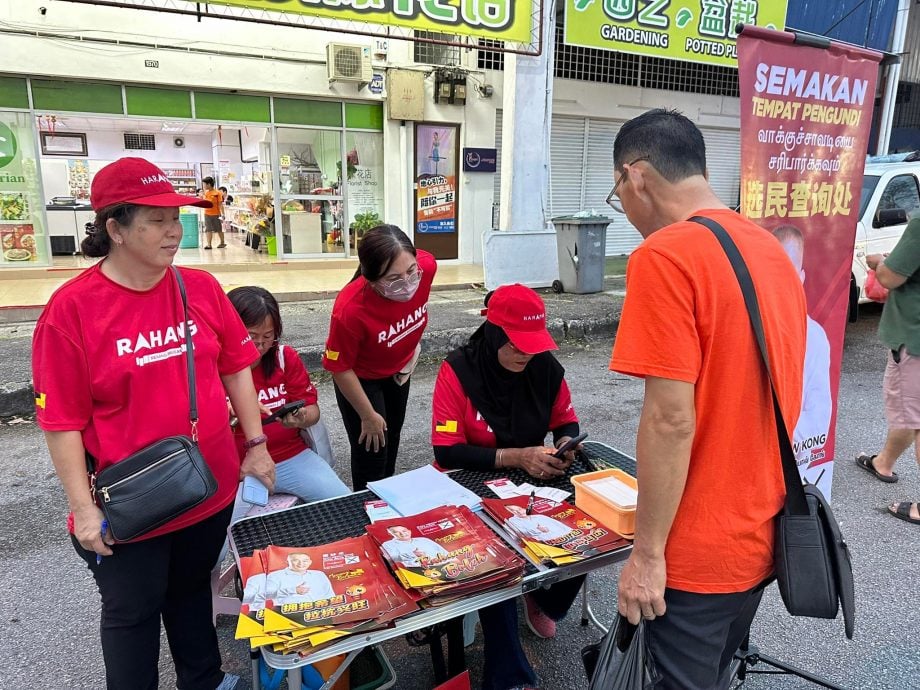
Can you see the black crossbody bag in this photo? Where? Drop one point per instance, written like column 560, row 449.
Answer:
column 812, row 561
column 162, row 481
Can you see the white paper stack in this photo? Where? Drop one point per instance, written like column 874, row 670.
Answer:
column 615, row 491
column 416, row 491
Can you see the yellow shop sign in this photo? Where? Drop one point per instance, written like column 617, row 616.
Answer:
column 505, row 20
column 693, row 30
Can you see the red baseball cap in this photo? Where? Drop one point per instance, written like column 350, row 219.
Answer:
column 521, row 314
column 137, row 181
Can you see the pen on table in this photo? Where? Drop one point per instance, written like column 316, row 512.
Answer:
column 530, row 502
column 103, row 528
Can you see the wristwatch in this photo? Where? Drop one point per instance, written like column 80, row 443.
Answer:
column 257, row 441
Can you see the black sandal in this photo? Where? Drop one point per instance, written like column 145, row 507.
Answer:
column 865, row 461
column 902, row 512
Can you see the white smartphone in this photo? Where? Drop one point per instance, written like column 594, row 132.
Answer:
column 254, row 491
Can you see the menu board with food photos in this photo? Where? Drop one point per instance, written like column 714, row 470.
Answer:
column 78, row 179
column 18, row 242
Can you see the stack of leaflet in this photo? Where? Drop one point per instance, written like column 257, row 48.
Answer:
column 550, row 532
column 298, row 599
column 422, row 489
column 446, row 553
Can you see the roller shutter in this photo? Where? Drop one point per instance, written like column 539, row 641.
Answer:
column 567, row 166
column 622, row 237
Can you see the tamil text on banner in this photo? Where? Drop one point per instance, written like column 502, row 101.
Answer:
column 505, row 20
column 805, row 118
column 436, row 179
column 694, row 30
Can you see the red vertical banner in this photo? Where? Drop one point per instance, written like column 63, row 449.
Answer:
column 806, row 111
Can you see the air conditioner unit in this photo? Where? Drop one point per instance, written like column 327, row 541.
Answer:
column 179, row 142
column 346, row 62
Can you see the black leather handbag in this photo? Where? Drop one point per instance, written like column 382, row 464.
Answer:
column 162, row 481
column 812, row 560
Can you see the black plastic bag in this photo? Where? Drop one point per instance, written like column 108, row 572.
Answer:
column 621, row 660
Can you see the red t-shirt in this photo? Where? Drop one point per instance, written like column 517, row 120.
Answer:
column 684, row 319
column 375, row 336
column 454, row 419
column 107, row 361
column 285, row 386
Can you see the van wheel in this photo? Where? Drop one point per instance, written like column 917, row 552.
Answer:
column 557, row 287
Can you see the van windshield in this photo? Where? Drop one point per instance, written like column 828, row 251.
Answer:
column 869, row 184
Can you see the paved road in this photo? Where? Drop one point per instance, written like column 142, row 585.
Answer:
column 50, row 612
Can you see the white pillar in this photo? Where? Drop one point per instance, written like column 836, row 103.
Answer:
column 524, row 249
column 892, row 77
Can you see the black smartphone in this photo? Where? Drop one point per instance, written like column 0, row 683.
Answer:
column 569, row 445
column 283, row 411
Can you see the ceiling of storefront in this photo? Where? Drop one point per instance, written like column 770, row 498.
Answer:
column 105, row 124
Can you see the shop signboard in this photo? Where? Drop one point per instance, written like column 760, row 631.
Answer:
column 479, row 160
column 500, row 20
column 22, row 236
column 804, row 134
column 692, row 30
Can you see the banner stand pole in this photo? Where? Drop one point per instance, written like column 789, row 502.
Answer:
column 749, row 656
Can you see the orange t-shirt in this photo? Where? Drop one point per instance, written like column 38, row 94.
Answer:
column 684, row 319
column 216, row 198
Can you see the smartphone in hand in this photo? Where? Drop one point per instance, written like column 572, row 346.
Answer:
column 571, row 444
column 283, row 411
column 254, row 491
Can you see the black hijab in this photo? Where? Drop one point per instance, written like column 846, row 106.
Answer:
column 516, row 405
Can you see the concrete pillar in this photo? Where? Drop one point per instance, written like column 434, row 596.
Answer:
column 524, row 249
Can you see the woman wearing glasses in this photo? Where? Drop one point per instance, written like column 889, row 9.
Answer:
column 373, row 344
column 280, row 377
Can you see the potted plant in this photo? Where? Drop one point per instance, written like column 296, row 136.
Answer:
column 364, row 222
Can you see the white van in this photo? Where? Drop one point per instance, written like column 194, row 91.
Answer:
column 890, row 195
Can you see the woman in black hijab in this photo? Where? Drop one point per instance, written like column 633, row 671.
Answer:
column 495, row 400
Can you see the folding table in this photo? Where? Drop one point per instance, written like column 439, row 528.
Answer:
column 322, row 522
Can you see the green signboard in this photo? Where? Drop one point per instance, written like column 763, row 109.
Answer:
column 693, row 30
column 500, row 20
column 22, row 235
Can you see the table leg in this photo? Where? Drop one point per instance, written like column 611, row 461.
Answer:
column 346, row 662
column 254, row 664
column 294, row 678
column 587, row 614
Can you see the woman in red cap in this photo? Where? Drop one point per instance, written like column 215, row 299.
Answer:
column 110, row 376
column 374, row 341
column 495, row 400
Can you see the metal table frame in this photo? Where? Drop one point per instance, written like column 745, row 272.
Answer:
column 536, row 576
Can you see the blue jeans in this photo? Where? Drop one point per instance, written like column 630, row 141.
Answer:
column 306, row 476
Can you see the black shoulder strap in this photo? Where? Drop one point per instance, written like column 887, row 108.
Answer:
column 189, row 356
column 795, row 494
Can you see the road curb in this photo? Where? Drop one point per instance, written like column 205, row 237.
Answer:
column 18, row 399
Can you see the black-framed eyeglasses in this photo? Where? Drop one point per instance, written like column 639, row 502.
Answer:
column 613, row 200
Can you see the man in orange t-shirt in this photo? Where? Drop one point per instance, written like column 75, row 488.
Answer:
column 710, row 478
column 213, row 215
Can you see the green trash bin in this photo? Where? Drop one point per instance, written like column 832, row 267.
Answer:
column 189, row 230
column 581, row 245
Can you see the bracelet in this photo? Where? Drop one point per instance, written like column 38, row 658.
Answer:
column 257, row 441
column 498, row 458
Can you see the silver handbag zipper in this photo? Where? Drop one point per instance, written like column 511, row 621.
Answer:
column 104, row 490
